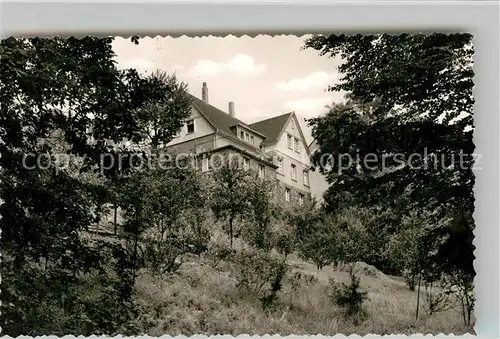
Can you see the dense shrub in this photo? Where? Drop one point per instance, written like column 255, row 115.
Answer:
column 260, row 273
column 348, row 296
column 38, row 302
column 218, row 251
column 163, row 255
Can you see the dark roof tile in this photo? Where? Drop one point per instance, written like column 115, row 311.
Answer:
column 271, row 127
column 218, row 118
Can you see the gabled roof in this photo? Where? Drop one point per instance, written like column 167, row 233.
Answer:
column 219, row 119
column 313, row 144
column 272, row 127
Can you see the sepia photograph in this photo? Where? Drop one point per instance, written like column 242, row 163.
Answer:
column 287, row 184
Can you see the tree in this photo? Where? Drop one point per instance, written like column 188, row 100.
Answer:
column 70, row 88
column 154, row 205
column 315, row 237
column 230, row 193
column 410, row 96
column 164, row 115
column 262, row 212
column 166, row 105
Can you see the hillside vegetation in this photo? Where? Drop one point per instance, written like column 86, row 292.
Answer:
column 203, row 299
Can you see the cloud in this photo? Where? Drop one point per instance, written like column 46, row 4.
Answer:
column 309, row 107
column 241, row 64
column 206, row 68
column 245, row 65
column 313, row 80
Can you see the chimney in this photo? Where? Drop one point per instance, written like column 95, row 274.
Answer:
column 231, row 108
column 204, row 92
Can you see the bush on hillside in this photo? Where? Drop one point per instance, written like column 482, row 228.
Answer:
column 162, row 254
column 260, row 273
column 348, row 296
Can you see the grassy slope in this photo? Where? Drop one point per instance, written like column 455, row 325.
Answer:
column 202, row 299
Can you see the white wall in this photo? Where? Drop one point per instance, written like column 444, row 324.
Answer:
column 201, row 128
column 257, row 139
column 300, row 159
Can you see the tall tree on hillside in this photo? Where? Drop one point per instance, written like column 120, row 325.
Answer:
column 229, row 201
column 166, row 105
column 409, row 115
column 263, row 210
column 163, row 116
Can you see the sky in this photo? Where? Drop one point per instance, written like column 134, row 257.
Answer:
column 264, row 76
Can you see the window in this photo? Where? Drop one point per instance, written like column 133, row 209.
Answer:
column 204, row 164
column 294, row 172
column 252, row 139
column 292, row 124
column 301, row 199
column 246, row 163
column 242, row 135
column 287, row 194
column 279, row 160
column 296, row 145
column 289, row 141
column 306, row 178
column 247, row 137
column 261, row 171
column 190, row 126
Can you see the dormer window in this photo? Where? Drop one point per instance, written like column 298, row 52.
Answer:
column 242, row 135
column 190, row 126
column 252, row 139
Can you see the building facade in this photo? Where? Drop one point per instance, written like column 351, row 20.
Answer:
column 275, row 148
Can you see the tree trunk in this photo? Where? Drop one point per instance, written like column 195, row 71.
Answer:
column 114, row 219
column 136, row 241
column 418, row 296
column 231, row 232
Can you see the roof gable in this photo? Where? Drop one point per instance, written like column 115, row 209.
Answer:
column 293, row 118
column 313, row 145
column 219, row 119
column 272, row 128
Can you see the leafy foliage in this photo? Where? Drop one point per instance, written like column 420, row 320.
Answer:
column 408, row 123
column 348, row 296
column 67, row 96
column 230, row 193
column 260, row 273
column 262, row 213
column 403, row 92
